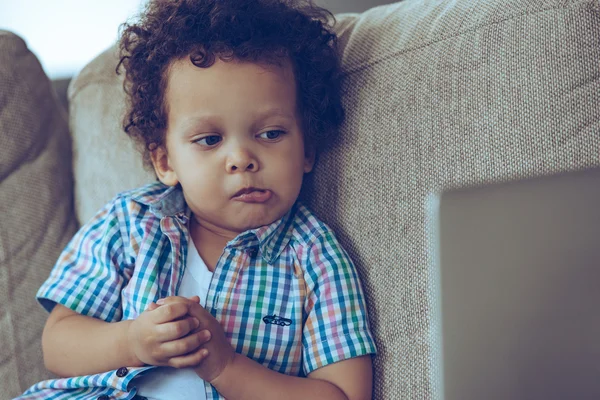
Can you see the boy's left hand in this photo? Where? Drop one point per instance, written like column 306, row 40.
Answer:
column 172, row 299
column 220, row 352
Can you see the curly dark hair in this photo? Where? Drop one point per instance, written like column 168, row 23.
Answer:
column 258, row 31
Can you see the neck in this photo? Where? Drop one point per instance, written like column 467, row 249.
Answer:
column 208, row 235
column 208, row 242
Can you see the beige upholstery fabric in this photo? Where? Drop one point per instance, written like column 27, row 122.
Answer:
column 439, row 94
column 105, row 160
column 37, row 217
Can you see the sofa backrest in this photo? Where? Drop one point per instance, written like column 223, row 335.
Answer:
column 438, row 95
column 36, row 208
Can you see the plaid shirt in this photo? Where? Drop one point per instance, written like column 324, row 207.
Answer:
column 286, row 294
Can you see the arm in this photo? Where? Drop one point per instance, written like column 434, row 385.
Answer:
column 75, row 344
column 238, row 377
column 67, row 344
column 84, row 333
column 82, row 294
column 345, row 380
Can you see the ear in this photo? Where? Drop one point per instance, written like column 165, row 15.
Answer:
column 162, row 166
column 309, row 158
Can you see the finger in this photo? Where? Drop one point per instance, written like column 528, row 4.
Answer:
column 204, row 336
column 176, row 329
column 172, row 300
column 183, row 346
column 195, row 299
column 188, row 360
column 169, row 312
column 152, row 306
column 196, row 310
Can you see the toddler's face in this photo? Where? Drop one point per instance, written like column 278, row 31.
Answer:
column 231, row 127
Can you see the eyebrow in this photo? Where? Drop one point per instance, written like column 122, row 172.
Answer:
column 191, row 122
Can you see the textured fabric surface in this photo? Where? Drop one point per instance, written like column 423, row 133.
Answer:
column 105, row 160
column 438, row 94
column 444, row 94
column 36, row 212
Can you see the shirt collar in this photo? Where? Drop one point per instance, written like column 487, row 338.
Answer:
column 272, row 238
column 168, row 201
column 163, row 200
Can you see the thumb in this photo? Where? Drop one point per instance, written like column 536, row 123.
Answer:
column 195, row 299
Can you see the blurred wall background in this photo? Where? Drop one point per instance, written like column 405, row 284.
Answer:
column 67, row 34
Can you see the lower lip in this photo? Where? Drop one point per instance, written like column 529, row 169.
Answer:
column 254, row 197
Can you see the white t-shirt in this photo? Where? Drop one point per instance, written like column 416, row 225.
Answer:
column 166, row 383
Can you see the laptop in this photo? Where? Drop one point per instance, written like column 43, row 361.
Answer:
column 517, row 276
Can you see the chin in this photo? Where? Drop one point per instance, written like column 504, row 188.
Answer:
column 257, row 219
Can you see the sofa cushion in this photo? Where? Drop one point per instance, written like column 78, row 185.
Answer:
column 105, row 160
column 438, row 95
column 35, row 205
column 441, row 95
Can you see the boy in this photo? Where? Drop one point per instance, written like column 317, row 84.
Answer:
column 215, row 282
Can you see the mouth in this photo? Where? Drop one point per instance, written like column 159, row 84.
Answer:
column 248, row 190
column 252, row 195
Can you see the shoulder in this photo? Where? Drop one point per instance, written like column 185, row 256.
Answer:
column 316, row 244
column 147, row 194
column 136, row 202
column 308, row 230
column 124, row 214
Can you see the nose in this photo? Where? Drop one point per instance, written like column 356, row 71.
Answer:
column 241, row 160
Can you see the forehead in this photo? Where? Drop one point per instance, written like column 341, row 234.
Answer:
column 229, row 87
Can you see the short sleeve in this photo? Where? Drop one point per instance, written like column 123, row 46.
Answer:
column 91, row 270
column 337, row 326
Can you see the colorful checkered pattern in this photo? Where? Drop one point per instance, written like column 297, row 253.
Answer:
column 286, row 294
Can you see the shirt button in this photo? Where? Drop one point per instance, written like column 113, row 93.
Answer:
column 182, row 217
column 121, row 372
column 103, row 397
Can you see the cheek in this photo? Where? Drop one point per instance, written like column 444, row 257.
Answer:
column 289, row 166
column 289, row 173
column 201, row 182
column 294, row 155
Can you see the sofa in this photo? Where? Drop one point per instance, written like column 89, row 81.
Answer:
column 439, row 94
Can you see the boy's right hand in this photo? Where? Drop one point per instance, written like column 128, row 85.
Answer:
column 167, row 336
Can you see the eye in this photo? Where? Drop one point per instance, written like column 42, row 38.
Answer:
column 272, row 135
column 209, row 140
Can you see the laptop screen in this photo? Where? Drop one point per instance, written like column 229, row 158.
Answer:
column 518, row 275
